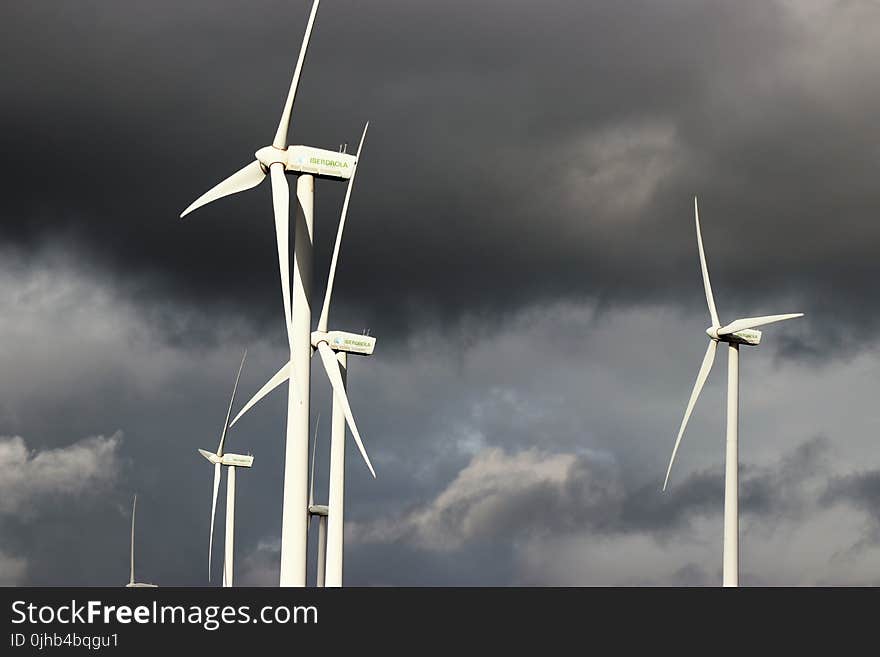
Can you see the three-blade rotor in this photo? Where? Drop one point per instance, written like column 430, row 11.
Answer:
column 717, row 333
column 254, row 173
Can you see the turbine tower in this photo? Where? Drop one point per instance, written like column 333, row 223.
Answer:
column 131, row 582
column 741, row 331
column 307, row 163
column 333, row 348
column 231, row 461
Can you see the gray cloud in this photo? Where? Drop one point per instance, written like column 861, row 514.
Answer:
column 27, row 477
column 12, row 570
column 532, row 495
column 36, row 485
column 860, row 490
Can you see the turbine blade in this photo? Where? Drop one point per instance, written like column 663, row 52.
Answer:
column 280, row 140
column 240, row 181
column 281, row 204
column 217, row 467
column 705, row 368
column 231, row 401
column 753, row 322
column 332, row 368
column 709, row 298
column 280, row 377
column 312, row 473
column 325, row 310
column 133, row 511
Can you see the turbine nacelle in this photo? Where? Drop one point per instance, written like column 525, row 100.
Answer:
column 746, row 336
column 318, row 162
column 351, row 343
column 234, row 460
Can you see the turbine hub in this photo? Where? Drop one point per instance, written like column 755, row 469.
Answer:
column 712, row 332
column 269, row 155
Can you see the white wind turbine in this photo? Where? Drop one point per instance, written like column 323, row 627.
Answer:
column 307, row 163
column 333, row 348
column 741, row 331
column 231, row 461
column 131, row 582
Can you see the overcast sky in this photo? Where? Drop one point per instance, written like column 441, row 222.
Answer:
column 521, row 242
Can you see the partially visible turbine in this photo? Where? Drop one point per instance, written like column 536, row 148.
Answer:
column 131, row 582
column 231, row 461
column 741, row 331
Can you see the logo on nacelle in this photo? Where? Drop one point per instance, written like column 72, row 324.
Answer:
column 331, row 163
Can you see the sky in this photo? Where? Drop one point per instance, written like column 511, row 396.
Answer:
column 521, row 242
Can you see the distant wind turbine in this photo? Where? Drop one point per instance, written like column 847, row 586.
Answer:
column 231, row 461
column 741, row 331
column 320, row 512
column 131, row 582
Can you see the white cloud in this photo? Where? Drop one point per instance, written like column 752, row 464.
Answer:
column 500, row 494
column 28, row 477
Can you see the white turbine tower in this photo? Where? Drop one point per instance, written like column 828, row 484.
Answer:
column 131, row 582
column 231, row 461
column 741, row 331
column 333, row 348
column 307, row 163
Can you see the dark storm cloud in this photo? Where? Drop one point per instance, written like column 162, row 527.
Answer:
column 518, row 151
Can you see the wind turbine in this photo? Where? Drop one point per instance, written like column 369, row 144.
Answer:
column 333, row 348
column 307, row 163
column 231, row 461
column 131, row 582
column 741, row 331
